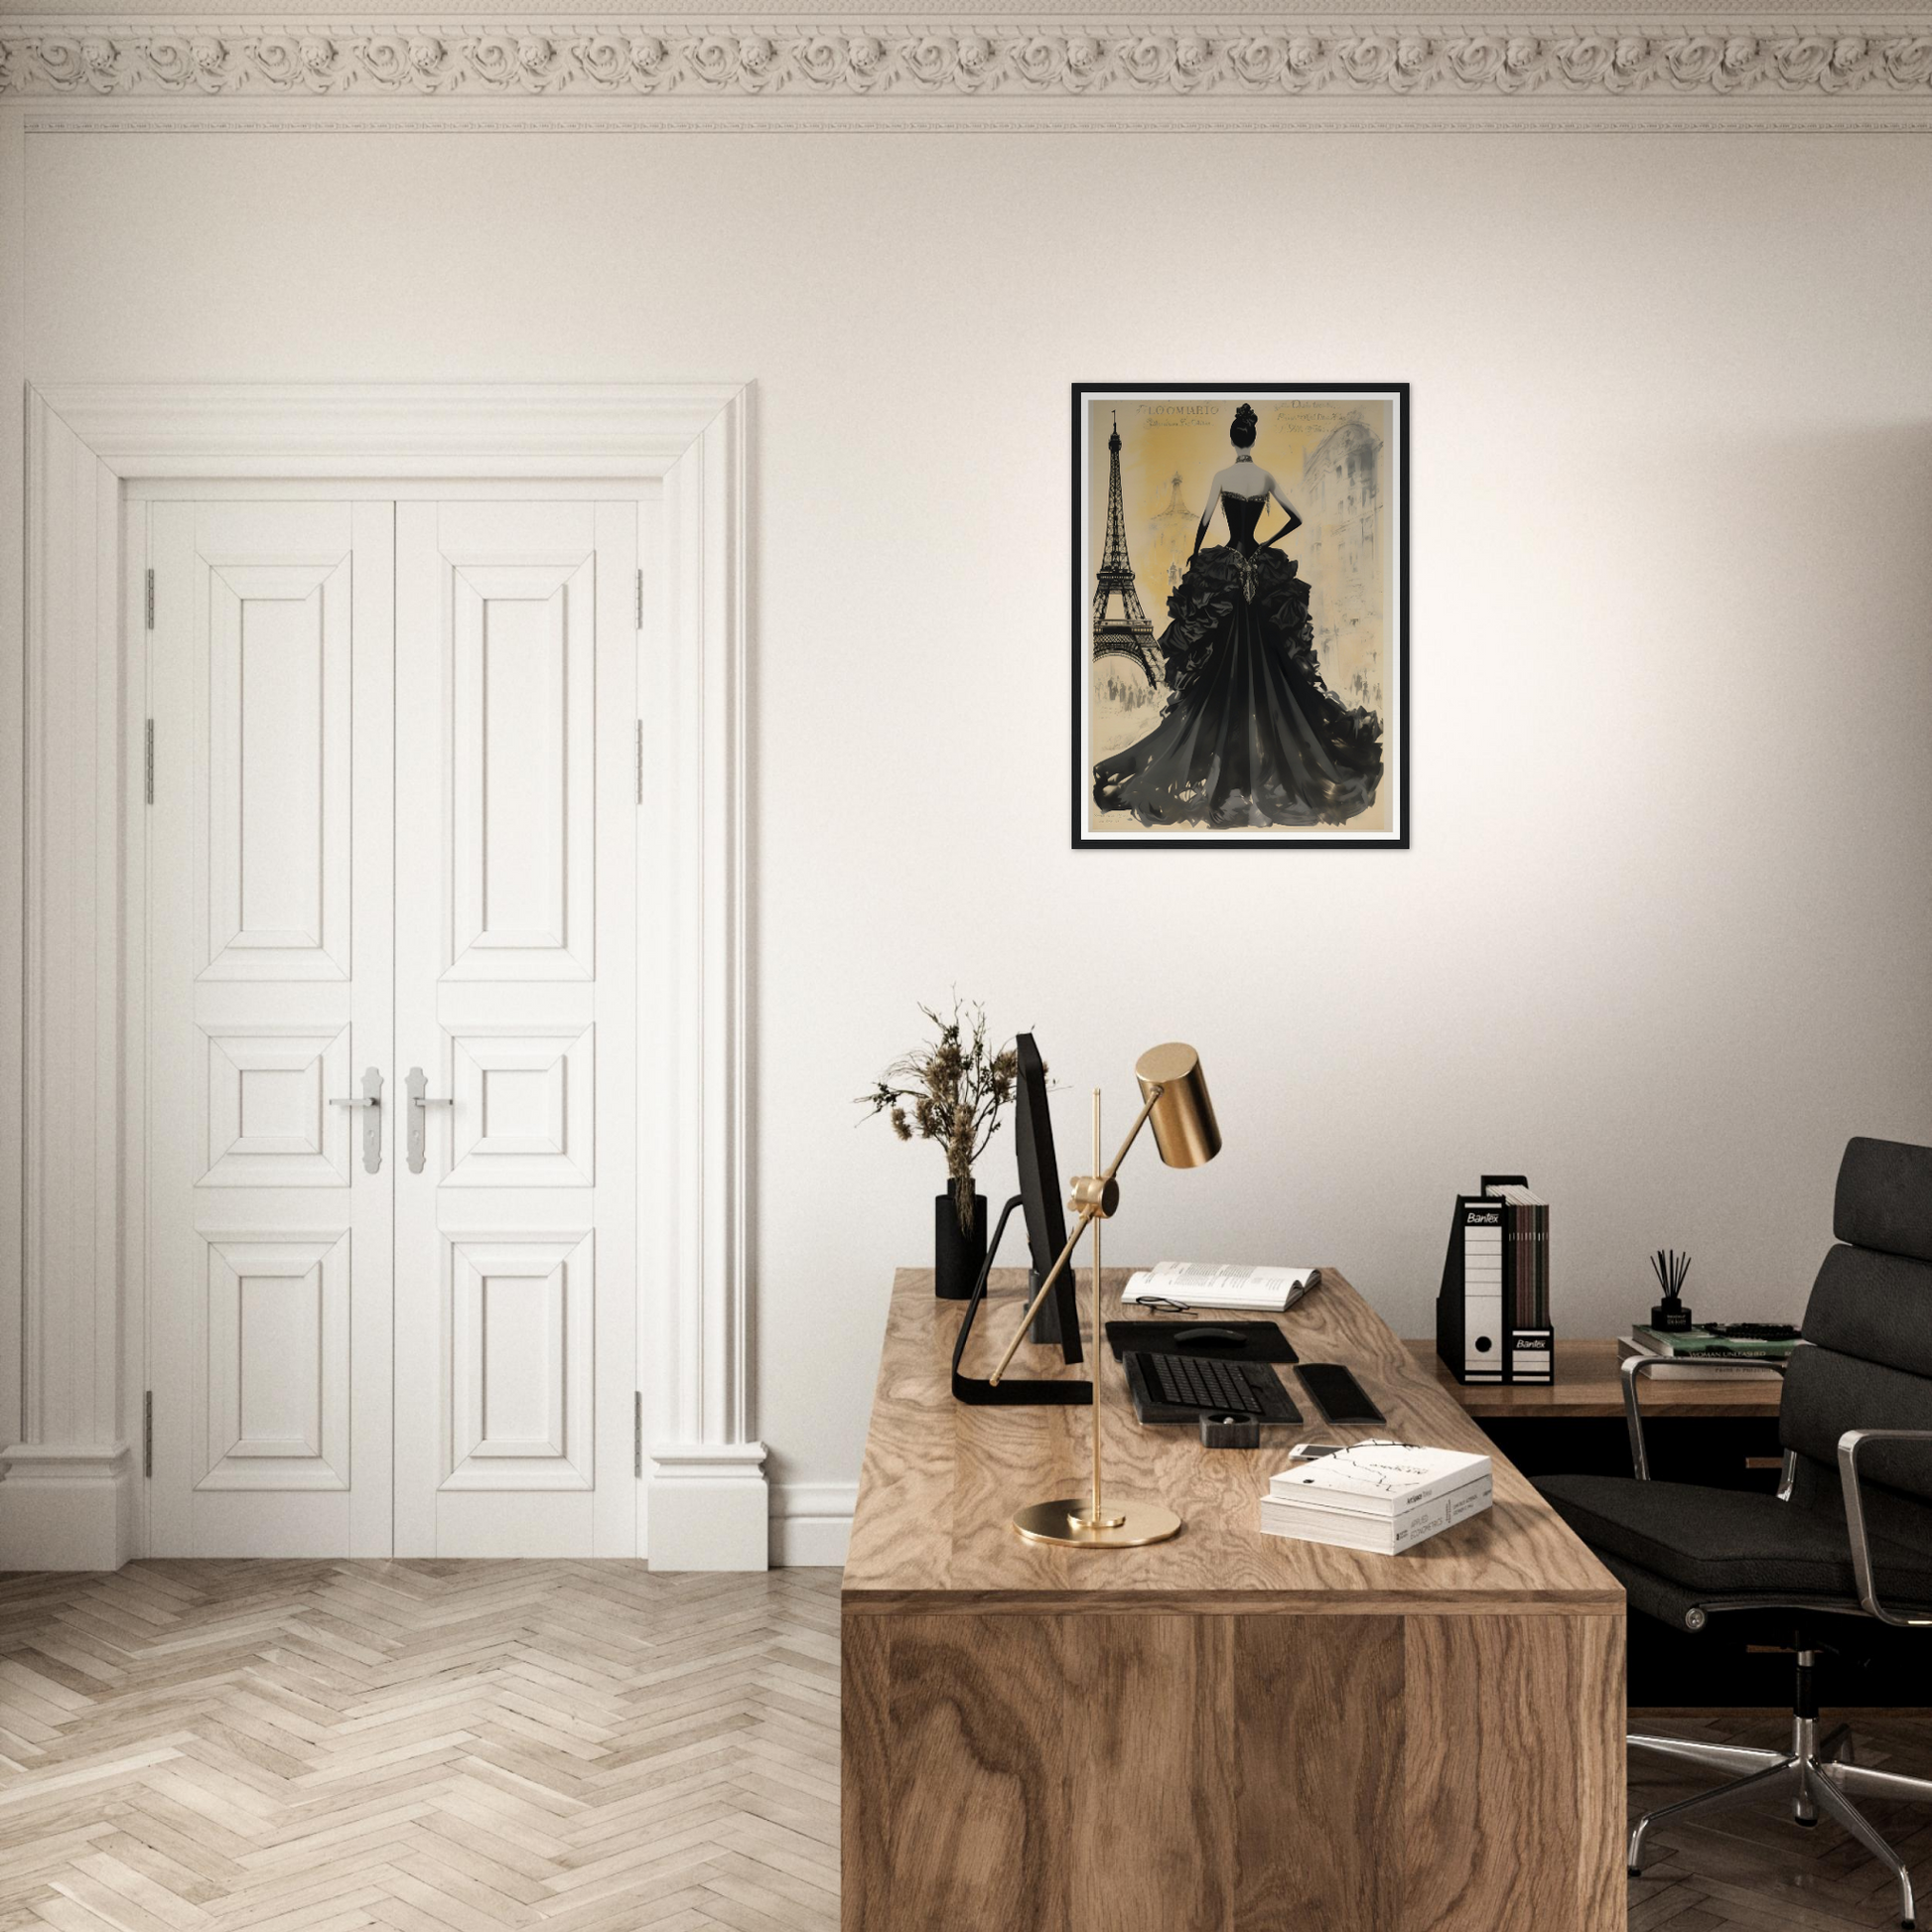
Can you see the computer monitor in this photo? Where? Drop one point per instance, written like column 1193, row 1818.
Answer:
column 1038, row 1199
column 1039, row 1195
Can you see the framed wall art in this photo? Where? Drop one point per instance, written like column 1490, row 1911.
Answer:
column 1241, row 614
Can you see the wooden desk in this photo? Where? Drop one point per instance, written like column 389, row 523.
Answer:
column 1228, row 1733
column 1588, row 1385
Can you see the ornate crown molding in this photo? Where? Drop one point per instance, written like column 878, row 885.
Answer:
column 1182, row 60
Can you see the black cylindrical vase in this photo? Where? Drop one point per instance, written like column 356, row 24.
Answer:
column 957, row 1258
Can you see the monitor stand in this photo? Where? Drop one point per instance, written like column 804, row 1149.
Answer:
column 1011, row 1391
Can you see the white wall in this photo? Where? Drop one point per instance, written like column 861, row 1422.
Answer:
column 1661, row 940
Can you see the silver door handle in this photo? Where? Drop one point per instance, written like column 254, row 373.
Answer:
column 417, row 1081
column 371, row 1098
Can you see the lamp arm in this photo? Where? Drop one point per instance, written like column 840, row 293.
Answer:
column 1088, row 1216
column 1033, row 1307
column 1133, row 1133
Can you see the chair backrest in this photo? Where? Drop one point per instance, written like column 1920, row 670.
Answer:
column 1870, row 1326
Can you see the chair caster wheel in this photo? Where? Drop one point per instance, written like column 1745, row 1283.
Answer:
column 1633, row 1871
column 1807, row 1822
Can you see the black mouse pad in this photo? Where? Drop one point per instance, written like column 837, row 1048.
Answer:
column 1217, row 1341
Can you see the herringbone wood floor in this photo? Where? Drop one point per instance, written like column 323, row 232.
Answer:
column 321, row 1746
column 575, row 1747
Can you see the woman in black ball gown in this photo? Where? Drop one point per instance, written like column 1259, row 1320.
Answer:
column 1250, row 734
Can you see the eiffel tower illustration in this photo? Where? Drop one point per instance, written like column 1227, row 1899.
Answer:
column 1128, row 634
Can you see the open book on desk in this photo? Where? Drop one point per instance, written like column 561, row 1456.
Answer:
column 1210, row 1285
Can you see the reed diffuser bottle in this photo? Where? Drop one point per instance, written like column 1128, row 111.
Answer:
column 1670, row 1314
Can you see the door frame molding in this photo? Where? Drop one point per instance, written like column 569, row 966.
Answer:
column 71, row 1398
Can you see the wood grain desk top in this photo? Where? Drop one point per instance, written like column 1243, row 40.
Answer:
column 1588, row 1385
column 941, row 1481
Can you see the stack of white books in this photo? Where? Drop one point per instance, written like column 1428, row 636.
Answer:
column 1385, row 1497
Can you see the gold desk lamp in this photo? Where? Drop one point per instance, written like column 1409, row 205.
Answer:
column 1174, row 1098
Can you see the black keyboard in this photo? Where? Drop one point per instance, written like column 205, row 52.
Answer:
column 1207, row 1387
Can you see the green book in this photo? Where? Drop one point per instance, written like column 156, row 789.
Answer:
column 1702, row 1341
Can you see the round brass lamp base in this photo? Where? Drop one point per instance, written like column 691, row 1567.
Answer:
column 1065, row 1521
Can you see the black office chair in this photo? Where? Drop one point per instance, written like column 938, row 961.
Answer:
column 1847, row 1536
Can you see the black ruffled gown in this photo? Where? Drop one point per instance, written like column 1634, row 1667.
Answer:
column 1250, row 734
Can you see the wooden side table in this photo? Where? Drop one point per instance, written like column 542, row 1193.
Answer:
column 1588, row 1386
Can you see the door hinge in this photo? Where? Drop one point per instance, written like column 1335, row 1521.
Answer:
column 638, row 1433
column 641, row 596
column 150, row 600
column 148, row 761
column 147, row 1434
column 640, row 760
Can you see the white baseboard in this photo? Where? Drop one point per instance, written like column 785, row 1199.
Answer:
column 811, row 1523
column 67, row 1506
column 73, row 1508
column 710, row 1507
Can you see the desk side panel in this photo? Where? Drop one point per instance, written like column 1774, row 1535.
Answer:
column 956, row 1779
column 1151, row 1782
column 865, row 1770
column 1161, row 1773
column 1513, row 1775
column 1317, row 1747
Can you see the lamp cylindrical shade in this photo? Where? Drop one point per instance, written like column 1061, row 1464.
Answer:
column 1184, row 1128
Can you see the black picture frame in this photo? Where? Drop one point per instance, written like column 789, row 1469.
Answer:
column 1083, row 572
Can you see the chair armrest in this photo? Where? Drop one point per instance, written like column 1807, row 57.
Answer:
column 1635, row 1365
column 1849, row 1445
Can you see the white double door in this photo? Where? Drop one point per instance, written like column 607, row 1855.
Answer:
column 390, row 860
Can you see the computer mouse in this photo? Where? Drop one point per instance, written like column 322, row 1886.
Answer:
column 1207, row 1336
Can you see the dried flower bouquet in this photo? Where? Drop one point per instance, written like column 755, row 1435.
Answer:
column 952, row 1091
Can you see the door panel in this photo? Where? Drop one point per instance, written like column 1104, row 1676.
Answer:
column 269, row 1123
column 521, row 771
column 278, row 1382
column 521, row 1331
column 270, row 993
column 515, row 1242
column 525, row 1107
column 278, row 791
